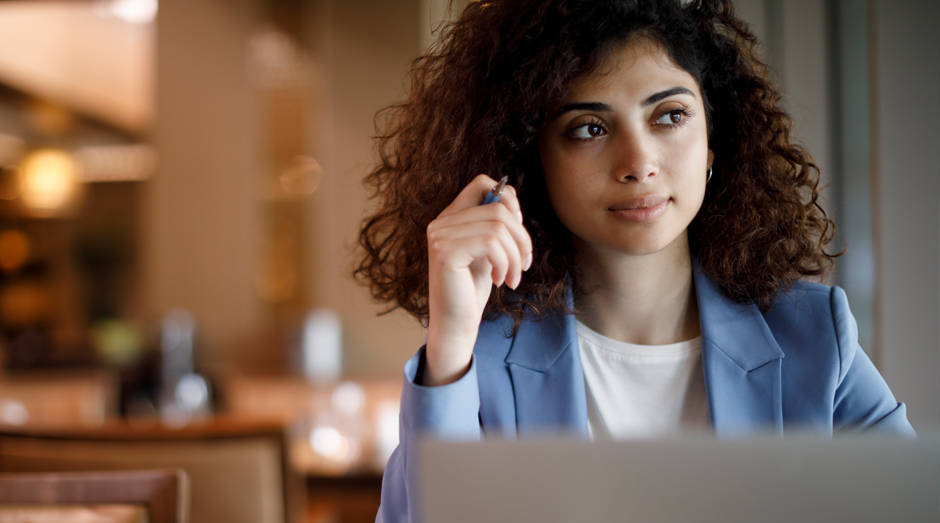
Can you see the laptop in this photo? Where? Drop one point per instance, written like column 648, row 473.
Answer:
column 700, row 479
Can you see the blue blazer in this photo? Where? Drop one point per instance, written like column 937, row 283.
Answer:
column 796, row 367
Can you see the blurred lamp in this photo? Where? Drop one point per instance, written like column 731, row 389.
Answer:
column 13, row 412
column 130, row 11
column 328, row 442
column 48, row 181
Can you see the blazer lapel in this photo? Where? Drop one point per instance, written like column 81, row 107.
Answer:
column 741, row 364
column 547, row 379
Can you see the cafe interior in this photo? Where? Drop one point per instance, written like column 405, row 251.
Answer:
column 180, row 195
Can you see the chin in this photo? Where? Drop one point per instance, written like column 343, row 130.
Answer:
column 642, row 250
column 646, row 244
column 644, row 240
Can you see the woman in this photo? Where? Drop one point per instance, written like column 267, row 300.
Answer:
column 644, row 271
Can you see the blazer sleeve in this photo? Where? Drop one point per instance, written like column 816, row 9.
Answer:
column 863, row 400
column 446, row 412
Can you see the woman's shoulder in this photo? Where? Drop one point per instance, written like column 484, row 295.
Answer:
column 808, row 303
column 812, row 321
column 822, row 359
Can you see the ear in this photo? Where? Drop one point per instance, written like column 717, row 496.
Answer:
column 711, row 158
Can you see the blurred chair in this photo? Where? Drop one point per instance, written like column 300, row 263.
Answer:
column 154, row 496
column 238, row 470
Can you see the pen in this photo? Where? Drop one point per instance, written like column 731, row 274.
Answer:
column 493, row 195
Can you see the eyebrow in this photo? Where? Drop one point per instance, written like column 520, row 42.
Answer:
column 583, row 106
column 666, row 94
column 605, row 108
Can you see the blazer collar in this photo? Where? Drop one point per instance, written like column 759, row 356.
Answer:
column 740, row 363
column 547, row 377
column 539, row 344
column 738, row 331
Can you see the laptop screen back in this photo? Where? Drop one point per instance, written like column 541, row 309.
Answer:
column 701, row 479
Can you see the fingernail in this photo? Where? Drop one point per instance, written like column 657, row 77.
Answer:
column 528, row 262
column 519, row 216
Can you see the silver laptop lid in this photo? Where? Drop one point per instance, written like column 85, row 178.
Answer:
column 859, row 479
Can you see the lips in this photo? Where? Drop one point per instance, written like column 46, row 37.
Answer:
column 642, row 209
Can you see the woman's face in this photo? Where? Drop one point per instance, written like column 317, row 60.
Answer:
column 626, row 154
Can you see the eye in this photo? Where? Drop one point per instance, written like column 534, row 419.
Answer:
column 673, row 117
column 587, row 131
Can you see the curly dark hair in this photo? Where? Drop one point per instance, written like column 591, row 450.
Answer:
column 479, row 97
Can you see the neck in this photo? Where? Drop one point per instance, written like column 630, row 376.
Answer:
column 647, row 299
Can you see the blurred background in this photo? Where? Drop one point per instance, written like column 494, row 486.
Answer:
column 181, row 190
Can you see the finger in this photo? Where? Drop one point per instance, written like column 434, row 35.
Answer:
column 495, row 229
column 471, row 195
column 510, row 200
column 482, row 213
column 460, row 253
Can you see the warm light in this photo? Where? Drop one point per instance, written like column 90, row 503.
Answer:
column 386, row 427
column 301, row 177
column 330, row 443
column 13, row 412
column 130, row 11
column 48, row 181
column 348, row 398
column 14, row 249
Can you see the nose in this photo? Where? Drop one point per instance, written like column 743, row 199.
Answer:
column 634, row 158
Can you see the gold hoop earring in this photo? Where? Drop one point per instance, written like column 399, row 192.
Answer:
column 709, row 175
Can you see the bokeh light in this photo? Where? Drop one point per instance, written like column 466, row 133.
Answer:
column 48, row 181
column 130, row 11
column 301, row 177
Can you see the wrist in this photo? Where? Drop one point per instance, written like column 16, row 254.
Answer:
column 447, row 358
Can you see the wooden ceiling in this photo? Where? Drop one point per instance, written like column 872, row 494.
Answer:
column 76, row 54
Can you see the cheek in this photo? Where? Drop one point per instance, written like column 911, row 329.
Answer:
column 554, row 170
column 692, row 171
column 555, row 188
column 563, row 184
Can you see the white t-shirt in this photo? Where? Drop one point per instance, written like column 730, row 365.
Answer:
column 642, row 390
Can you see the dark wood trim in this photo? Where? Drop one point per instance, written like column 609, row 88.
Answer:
column 213, row 428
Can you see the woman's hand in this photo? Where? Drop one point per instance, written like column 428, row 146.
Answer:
column 471, row 247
